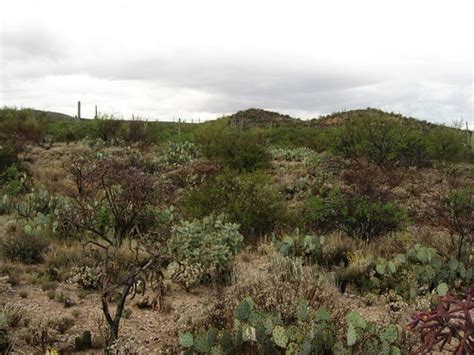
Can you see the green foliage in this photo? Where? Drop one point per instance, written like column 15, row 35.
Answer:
column 106, row 128
column 382, row 140
column 356, row 215
column 207, row 245
column 323, row 212
column 7, row 159
column 249, row 199
column 15, row 181
column 388, row 140
column 19, row 128
column 68, row 131
column 135, row 131
column 459, row 210
column 238, row 151
column 447, row 144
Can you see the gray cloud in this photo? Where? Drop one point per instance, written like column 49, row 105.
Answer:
column 308, row 68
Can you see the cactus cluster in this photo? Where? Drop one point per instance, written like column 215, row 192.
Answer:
column 420, row 270
column 39, row 212
column 85, row 276
column 312, row 332
column 178, row 154
column 203, row 248
column 301, row 154
column 297, row 244
column 366, row 338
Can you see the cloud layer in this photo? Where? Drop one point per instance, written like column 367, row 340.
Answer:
column 203, row 59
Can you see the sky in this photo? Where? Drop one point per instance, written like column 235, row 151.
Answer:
column 203, row 59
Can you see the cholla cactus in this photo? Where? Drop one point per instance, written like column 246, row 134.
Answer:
column 203, row 248
column 187, row 275
column 85, row 276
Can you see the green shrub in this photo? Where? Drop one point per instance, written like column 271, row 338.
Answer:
column 447, row 144
column 24, row 247
column 203, row 248
column 106, row 128
column 382, row 140
column 323, row 212
column 135, row 131
column 19, row 128
column 7, row 158
column 14, row 180
column 367, row 219
column 358, row 216
column 459, row 210
column 248, row 199
column 239, row 151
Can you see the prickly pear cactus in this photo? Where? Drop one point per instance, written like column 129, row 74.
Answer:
column 243, row 310
column 201, row 344
column 186, row 340
column 279, row 336
column 302, row 311
column 389, row 334
column 351, row 335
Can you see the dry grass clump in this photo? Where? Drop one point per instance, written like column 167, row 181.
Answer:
column 14, row 271
column 13, row 314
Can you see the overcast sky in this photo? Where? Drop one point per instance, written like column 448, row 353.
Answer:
column 202, row 59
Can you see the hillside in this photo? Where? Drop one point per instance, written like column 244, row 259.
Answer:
column 34, row 113
column 254, row 117
column 278, row 238
column 339, row 118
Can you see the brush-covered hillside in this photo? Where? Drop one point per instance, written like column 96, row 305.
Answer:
column 256, row 233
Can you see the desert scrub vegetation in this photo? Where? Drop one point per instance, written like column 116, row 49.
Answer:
column 254, row 233
column 248, row 199
column 203, row 250
column 312, row 332
column 357, row 215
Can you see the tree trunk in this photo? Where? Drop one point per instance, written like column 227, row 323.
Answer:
column 114, row 323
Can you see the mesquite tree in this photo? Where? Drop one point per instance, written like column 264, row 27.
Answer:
column 112, row 208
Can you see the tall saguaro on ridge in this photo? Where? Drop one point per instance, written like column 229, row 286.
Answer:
column 79, row 110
